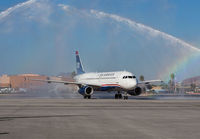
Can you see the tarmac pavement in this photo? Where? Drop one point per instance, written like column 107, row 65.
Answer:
column 42, row 118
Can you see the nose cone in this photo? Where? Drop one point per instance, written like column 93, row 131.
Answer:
column 131, row 84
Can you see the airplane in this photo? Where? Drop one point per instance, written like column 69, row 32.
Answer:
column 122, row 82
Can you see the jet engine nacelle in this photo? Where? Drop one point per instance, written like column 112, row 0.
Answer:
column 135, row 92
column 86, row 90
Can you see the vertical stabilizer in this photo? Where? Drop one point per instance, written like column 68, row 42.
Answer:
column 79, row 66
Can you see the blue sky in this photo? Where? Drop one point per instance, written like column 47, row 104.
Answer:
column 177, row 17
column 46, row 36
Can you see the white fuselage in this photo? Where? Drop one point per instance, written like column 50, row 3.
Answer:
column 121, row 79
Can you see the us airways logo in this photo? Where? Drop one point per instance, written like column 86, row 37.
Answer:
column 107, row 74
column 78, row 65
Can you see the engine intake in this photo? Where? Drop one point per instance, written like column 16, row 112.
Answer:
column 86, row 90
column 135, row 92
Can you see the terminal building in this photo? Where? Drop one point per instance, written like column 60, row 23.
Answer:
column 5, row 81
column 21, row 81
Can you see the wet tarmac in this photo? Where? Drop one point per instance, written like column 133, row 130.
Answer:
column 30, row 116
column 66, row 94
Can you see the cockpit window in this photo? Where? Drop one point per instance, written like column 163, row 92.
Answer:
column 130, row 77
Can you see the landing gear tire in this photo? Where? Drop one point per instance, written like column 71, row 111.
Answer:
column 116, row 96
column 120, row 96
column 125, row 97
column 87, row 97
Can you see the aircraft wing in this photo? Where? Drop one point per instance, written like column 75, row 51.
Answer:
column 64, row 82
column 150, row 81
column 54, row 81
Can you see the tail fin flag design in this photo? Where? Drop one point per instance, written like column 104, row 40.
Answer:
column 79, row 66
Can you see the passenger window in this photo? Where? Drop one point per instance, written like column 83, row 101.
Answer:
column 134, row 77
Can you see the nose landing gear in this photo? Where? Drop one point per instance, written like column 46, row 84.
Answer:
column 118, row 95
column 125, row 95
column 87, row 96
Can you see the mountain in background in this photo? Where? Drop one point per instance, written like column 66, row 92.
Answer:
column 192, row 80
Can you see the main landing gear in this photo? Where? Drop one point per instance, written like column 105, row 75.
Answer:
column 118, row 96
column 125, row 95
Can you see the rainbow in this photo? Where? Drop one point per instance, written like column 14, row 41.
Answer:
column 178, row 66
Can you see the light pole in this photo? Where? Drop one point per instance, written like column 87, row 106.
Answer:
column 175, row 83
